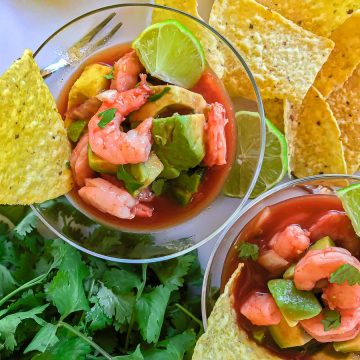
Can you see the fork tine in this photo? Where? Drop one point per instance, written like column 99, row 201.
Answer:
column 90, row 35
column 108, row 36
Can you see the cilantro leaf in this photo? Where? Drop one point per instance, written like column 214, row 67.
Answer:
column 332, row 319
column 136, row 355
column 172, row 272
column 121, row 281
column 248, row 251
column 96, row 317
column 66, row 289
column 26, row 225
column 45, row 338
column 149, row 312
column 9, row 324
column 105, row 117
column 110, row 75
column 345, row 273
column 158, row 96
column 7, row 282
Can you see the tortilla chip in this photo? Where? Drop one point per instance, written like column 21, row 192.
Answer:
column 313, row 137
column 34, row 146
column 274, row 111
column 283, row 57
column 343, row 59
column 212, row 46
column 318, row 16
column 223, row 338
column 345, row 106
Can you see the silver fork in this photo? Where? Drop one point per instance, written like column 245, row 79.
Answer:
column 82, row 47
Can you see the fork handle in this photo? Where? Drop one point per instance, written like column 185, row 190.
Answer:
column 53, row 67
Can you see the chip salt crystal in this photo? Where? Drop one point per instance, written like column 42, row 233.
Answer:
column 283, row 57
column 34, row 146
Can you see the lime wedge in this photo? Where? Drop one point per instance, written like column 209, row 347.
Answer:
column 170, row 52
column 275, row 162
column 350, row 198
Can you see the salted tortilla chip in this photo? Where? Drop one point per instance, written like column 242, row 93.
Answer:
column 283, row 57
column 313, row 137
column 343, row 59
column 318, row 16
column 223, row 338
column 345, row 106
column 33, row 141
column 212, row 46
column 274, row 111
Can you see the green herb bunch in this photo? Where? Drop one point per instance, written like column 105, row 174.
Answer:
column 59, row 304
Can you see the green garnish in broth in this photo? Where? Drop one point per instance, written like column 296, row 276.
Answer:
column 105, row 117
column 345, row 273
column 248, row 251
column 332, row 320
column 158, row 96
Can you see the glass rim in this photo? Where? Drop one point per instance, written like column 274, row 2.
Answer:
column 245, row 209
column 260, row 109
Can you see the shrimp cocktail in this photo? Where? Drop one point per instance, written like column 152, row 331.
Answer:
column 291, row 283
column 149, row 140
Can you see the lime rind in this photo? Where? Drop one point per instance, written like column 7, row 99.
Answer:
column 170, row 52
column 350, row 198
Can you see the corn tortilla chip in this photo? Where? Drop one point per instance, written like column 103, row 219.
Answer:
column 343, row 59
column 345, row 106
column 223, row 338
column 283, row 57
column 313, row 137
column 212, row 46
column 318, row 16
column 34, row 146
column 274, row 111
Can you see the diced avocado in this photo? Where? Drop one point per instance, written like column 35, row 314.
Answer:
column 287, row 337
column 75, row 130
column 322, row 244
column 90, row 83
column 100, row 165
column 258, row 335
column 328, row 353
column 185, row 186
column 179, row 142
column 348, row 346
column 176, row 99
column 138, row 176
column 289, row 273
column 293, row 303
column 158, row 186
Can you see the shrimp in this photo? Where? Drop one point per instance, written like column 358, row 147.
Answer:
column 216, row 139
column 79, row 162
column 338, row 226
column 112, row 200
column 342, row 296
column 320, row 264
column 349, row 327
column 126, row 72
column 291, row 242
column 114, row 145
column 260, row 309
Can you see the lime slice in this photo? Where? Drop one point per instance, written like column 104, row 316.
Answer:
column 350, row 198
column 275, row 162
column 170, row 52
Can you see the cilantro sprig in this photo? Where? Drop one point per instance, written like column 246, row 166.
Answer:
column 345, row 273
column 105, row 117
column 332, row 320
column 159, row 95
column 110, row 75
column 248, row 251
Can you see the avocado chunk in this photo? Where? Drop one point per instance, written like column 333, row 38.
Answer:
column 176, row 99
column 287, row 337
column 258, row 335
column 185, row 186
column 100, row 165
column 179, row 142
column 348, row 346
column 139, row 176
column 90, row 83
column 290, row 272
column 322, row 244
column 294, row 304
column 75, row 130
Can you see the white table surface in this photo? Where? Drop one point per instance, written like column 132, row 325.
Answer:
column 27, row 23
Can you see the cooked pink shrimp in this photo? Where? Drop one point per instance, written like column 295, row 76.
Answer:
column 348, row 329
column 260, row 309
column 291, row 242
column 114, row 145
column 79, row 162
column 320, row 264
column 338, row 226
column 113, row 200
column 126, row 72
column 216, row 139
column 342, row 296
